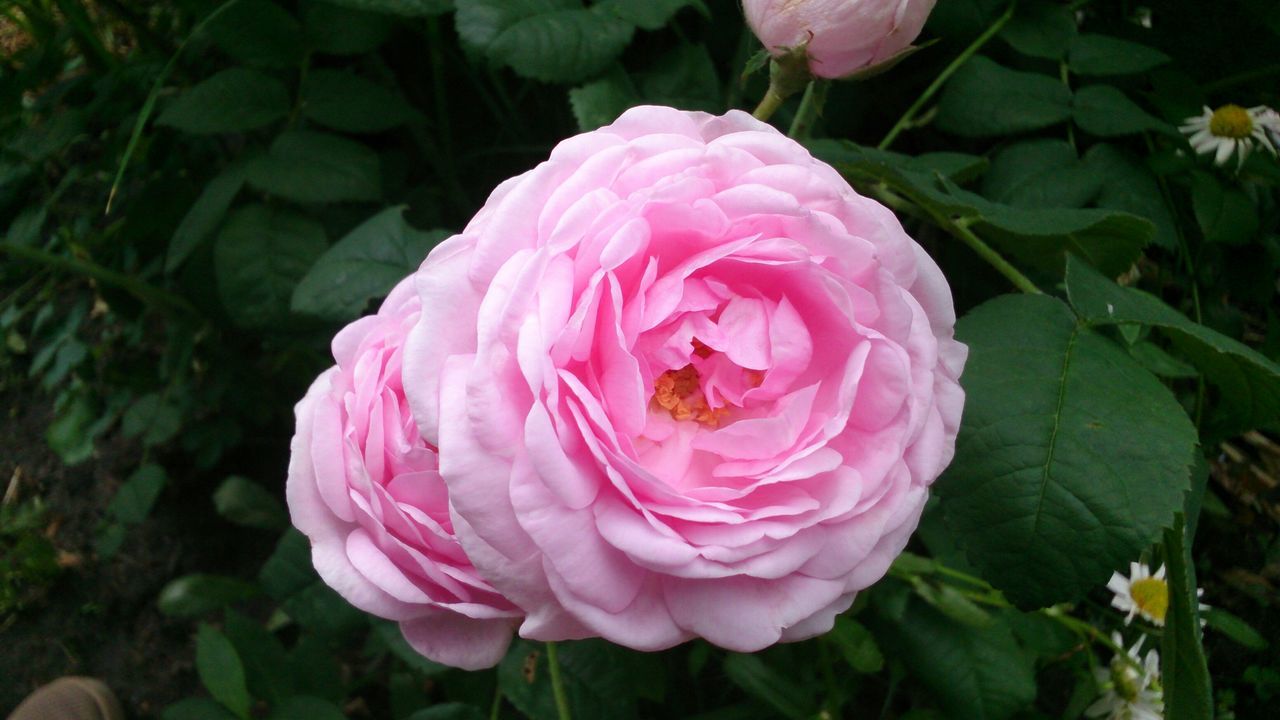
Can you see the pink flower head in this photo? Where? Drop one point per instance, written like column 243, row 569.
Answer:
column 841, row 37
column 365, row 488
column 684, row 381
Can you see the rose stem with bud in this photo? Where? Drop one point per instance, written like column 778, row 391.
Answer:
column 788, row 75
column 769, row 104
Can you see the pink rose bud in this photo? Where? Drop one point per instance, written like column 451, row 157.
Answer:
column 683, row 381
column 365, row 488
column 840, row 37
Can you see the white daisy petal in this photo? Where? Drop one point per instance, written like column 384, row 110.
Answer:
column 1225, row 148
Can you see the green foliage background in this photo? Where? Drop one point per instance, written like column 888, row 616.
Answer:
column 195, row 195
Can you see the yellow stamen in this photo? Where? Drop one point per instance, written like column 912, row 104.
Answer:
column 1151, row 595
column 679, row 393
column 1231, row 121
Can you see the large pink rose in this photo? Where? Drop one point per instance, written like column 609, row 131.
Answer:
column 684, row 381
column 841, row 37
column 365, row 488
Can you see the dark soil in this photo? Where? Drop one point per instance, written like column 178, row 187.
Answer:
column 99, row 617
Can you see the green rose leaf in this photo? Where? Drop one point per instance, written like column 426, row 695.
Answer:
column 550, row 40
column 856, row 645
column 984, row 99
column 1043, row 237
column 312, row 167
column 971, row 671
column 1041, row 29
column 221, row 671
column 684, row 77
column 259, row 257
column 1071, row 457
column 247, row 503
column 1129, row 186
column 364, row 265
column 71, row 435
column 133, row 501
column 1039, row 174
column 770, row 686
column 234, row 100
column 1248, row 380
column 200, row 594
column 288, row 570
column 205, row 215
column 320, row 609
column 1225, row 214
column 1102, row 55
column 600, row 102
column 345, row 101
column 1105, row 111
column 601, row 679
column 265, row 660
column 389, row 633
column 154, row 418
column 258, row 33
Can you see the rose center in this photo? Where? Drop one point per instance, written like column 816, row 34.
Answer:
column 1231, row 121
column 696, row 391
column 1151, row 595
column 679, row 392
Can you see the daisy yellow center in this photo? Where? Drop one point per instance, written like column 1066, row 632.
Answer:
column 1125, row 680
column 1231, row 121
column 1151, row 595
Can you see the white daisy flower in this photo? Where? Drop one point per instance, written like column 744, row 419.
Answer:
column 1232, row 130
column 1130, row 686
column 1143, row 593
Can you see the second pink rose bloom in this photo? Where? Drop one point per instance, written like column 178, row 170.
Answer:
column 841, row 37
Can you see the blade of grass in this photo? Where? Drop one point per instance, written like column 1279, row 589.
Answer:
column 149, row 105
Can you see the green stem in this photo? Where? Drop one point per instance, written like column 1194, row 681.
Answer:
column 557, row 683
column 815, row 96
column 1066, row 80
column 495, row 710
column 144, row 292
column 1184, row 248
column 907, row 117
column 960, row 230
column 1085, row 629
column 835, row 698
column 299, row 100
column 986, row 252
column 769, row 104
